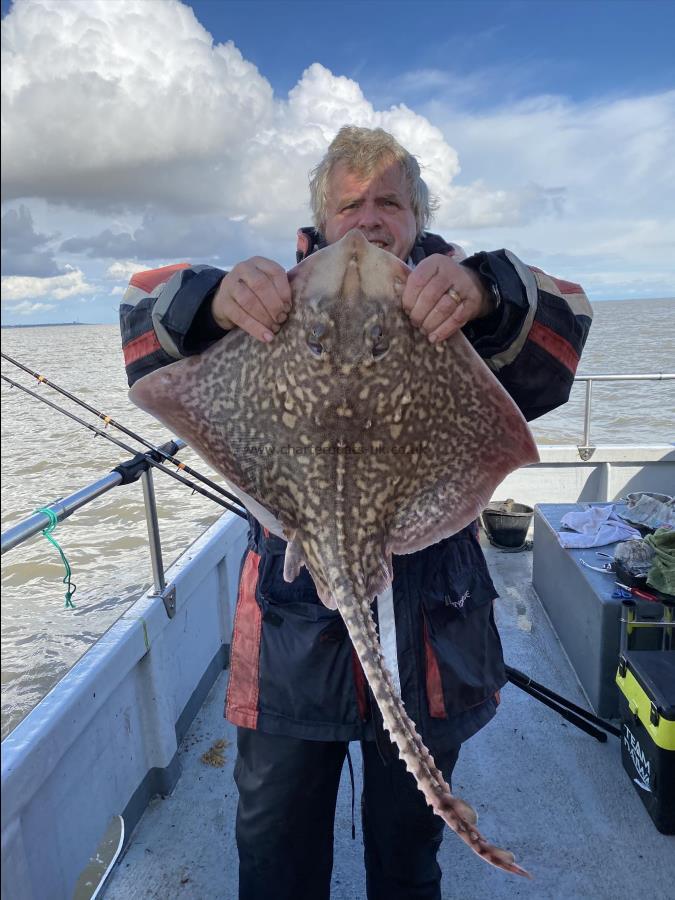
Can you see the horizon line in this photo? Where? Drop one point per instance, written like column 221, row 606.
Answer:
column 74, row 322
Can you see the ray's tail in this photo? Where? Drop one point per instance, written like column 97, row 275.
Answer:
column 416, row 757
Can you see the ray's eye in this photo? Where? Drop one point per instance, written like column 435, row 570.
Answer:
column 380, row 342
column 314, row 336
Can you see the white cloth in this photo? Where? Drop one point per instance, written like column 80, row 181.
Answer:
column 595, row 527
column 387, row 628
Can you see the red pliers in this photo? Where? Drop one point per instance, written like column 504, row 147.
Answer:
column 637, row 592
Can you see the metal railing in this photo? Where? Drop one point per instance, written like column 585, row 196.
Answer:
column 62, row 508
column 65, row 507
column 591, row 379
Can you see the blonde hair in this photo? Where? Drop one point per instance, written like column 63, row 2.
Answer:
column 362, row 150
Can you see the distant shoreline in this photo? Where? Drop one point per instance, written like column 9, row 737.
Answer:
column 90, row 324
column 49, row 324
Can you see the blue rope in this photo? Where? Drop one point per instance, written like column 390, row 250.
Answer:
column 53, row 522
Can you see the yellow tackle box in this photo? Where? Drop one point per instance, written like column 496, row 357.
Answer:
column 646, row 680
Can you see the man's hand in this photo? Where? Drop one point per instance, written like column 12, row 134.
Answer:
column 441, row 296
column 255, row 296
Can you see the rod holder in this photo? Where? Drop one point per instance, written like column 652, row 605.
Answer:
column 627, row 626
column 153, row 531
column 587, row 414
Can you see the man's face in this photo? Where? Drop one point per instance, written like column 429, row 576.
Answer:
column 378, row 205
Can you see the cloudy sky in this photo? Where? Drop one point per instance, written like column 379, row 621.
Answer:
column 141, row 132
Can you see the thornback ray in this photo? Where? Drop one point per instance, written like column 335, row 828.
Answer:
column 353, row 437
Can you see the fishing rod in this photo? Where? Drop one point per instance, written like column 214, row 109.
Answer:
column 148, row 456
column 578, row 716
column 108, row 420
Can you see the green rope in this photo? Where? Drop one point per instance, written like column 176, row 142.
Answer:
column 53, row 522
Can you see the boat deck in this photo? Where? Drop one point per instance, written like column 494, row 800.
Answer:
column 554, row 795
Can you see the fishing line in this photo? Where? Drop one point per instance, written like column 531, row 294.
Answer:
column 148, row 457
column 108, row 420
column 47, row 532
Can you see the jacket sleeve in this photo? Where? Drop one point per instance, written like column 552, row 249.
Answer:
column 534, row 339
column 165, row 315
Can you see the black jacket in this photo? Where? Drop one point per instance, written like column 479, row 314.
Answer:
column 293, row 670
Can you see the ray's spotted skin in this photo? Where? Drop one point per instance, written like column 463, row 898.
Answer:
column 352, row 437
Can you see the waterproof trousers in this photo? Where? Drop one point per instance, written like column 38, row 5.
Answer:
column 287, row 795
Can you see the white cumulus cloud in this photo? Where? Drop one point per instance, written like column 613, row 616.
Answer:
column 129, row 104
column 60, row 287
column 28, row 309
column 127, row 116
column 123, row 269
column 122, row 102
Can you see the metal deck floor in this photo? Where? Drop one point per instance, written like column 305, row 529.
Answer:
column 555, row 796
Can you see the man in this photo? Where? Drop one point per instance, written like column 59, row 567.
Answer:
column 296, row 691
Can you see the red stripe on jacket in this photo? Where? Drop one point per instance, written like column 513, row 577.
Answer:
column 148, row 281
column 554, row 344
column 433, row 679
column 141, row 346
column 241, row 707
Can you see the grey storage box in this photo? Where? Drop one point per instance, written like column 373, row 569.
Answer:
column 582, row 610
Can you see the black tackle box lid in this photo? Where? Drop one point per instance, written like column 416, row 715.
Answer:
column 654, row 670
